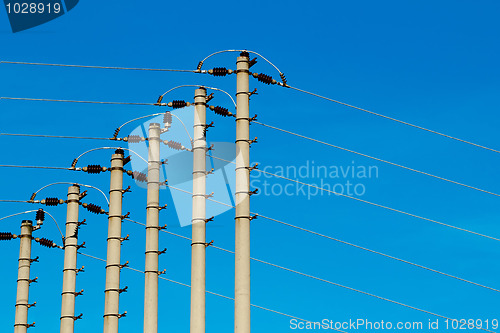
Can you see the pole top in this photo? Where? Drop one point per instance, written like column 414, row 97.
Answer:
column 245, row 54
column 119, row 151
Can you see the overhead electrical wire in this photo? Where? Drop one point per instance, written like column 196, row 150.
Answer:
column 35, row 210
column 99, row 67
column 74, row 101
column 393, row 119
column 284, row 84
column 334, row 239
column 368, row 202
column 53, row 136
column 208, row 292
column 376, row 158
column 71, row 183
column 314, row 277
column 34, row 167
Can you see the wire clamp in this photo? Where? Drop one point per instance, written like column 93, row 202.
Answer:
column 34, row 259
column 30, row 325
column 252, row 141
column 253, row 118
column 254, row 92
column 80, row 270
column 210, row 243
column 125, row 216
column 78, row 317
column 253, row 192
column 209, row 172
column 124, row 265
column 126, row 190
column 209, row 219
column 123, row 290
column 162, row 207
column 162, row 272
column 162, row 251
column 78, row 247
column 209, row 195
column 209, row 97
column 124, row 314
column 83, row 195
column 254, row 167
column 253, row 217
column 207, row 126
column 211, row 148
column 126, row 238
column 252, row 62
column 79, row 293
column 32, row 305
column 35, row 280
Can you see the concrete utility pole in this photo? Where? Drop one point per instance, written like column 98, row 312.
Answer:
column 242, row 237
column 198, row 245
column 23, row 278
column 70, row 253
column 113, row 265
column 152, row 232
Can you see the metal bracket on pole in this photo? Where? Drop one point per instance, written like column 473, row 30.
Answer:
column 35, row 259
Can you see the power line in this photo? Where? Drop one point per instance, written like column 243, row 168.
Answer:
column 54, row 136
column 208, row 292
column 376, row 159
column 393, row 119
column 34, row 167
column 336, row 240
column 314, row 277
column 23, row 201
column 376, row 252
column 368, row 202
column 73, row 101
column 99, row 67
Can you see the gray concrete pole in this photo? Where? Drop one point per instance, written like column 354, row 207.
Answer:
column 152, row 232
column 242, row 237
column 70, row 253
column 198, row 245
column 113, row 265
column 23, row 278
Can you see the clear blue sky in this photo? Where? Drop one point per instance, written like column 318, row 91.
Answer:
column 431, row 63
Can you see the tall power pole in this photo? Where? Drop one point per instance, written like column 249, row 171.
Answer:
column 152, row 232
column 113, row 265
column 242, row 237
column 198, row 245
column 70, row 253
column 23, row 278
